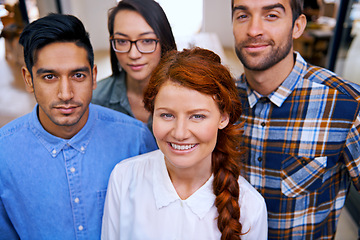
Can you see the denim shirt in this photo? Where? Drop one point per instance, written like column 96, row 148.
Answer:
column 54, row 188
column 111, row 92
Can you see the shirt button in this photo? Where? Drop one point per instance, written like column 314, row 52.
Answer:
column 81, row 228
column 263, row 124
column 54, row 151
column 82, row 148
column 76, row 200
column 259, row 159
column 303, row 162
column 72, row 169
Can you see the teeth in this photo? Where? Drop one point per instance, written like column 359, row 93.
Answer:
column 182, row 147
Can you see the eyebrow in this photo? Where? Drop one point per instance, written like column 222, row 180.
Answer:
column 240, row 7
column 125, row 35
column 192, row 111
column 269, row 7
column 44, row 70
column 277, row 5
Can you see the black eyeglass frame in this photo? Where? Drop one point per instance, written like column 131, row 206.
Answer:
column 113, row 39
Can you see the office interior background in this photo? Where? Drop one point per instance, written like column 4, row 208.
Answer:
column 331, row 40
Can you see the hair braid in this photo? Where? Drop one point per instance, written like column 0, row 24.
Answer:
column 226, row 171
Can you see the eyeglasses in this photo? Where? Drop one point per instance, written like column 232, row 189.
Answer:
column 146, row 45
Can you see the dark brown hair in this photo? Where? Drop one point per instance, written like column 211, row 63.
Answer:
column 154, row 15
column 201, row 70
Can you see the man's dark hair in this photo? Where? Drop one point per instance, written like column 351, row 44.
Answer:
column 51, row 29
column 297, row 7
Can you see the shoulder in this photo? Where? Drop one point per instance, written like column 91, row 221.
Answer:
column 105, row 88
column 106, row 82
column 15, row 127
column 325, row 78
column 253, row 211
column 248, row 194
column 118, row 128
column 138, row 166
column 110, row 116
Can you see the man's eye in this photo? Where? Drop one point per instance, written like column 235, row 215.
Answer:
column 272, row 16
column 240, row 16
column 79, row 75
column 49, row 77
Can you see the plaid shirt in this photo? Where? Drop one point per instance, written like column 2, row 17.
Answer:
column 304, row 143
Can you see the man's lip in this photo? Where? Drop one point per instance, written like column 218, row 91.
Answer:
column 255, row 47
column 66, row 109
column 66, row 106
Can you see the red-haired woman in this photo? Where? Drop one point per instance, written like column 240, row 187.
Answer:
column 191, row 188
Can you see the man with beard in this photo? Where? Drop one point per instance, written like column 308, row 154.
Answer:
column 301, row 123
column 56, row 161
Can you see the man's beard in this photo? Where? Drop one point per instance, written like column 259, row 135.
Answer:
column 267, row 61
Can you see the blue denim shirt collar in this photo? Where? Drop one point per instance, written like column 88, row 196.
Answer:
column 54, row 145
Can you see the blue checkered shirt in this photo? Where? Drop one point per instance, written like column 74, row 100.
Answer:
column 303, row 145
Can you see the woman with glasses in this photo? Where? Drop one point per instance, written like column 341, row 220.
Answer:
column 191, row 188
column 140, row 34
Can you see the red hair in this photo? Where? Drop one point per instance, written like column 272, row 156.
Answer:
column 201, row 70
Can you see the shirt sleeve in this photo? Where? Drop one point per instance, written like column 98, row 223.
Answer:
column 352, row 153
column 149, row 143
column 253, row 212
column 7, row 230
column 259, row 224
column 111, row 218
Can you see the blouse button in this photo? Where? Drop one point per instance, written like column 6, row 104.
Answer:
column 263, row 124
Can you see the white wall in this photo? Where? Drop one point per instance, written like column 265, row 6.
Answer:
column 93, row 14
column 184, row 20
column 45, row 7
column 217, row 18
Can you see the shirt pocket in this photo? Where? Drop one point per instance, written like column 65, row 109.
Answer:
column 101, row 201
column 301, row 175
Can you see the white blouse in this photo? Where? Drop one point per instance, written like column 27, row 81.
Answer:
column 141, row 203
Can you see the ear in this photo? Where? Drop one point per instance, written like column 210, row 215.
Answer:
column 299, row 26
column 27, row 79
column 94, row 76
column 224, row 120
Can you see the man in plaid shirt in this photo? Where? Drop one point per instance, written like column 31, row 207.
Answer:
column 302, row 123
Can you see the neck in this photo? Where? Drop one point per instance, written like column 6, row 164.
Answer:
column 62, row 131
column 188, row 181
column 135, row 86
column 267, row 81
